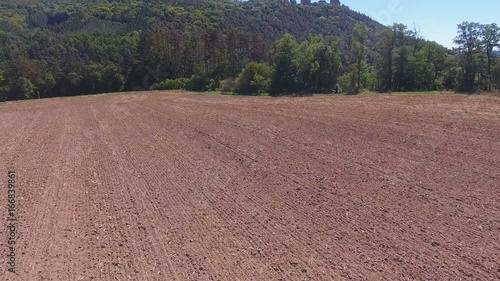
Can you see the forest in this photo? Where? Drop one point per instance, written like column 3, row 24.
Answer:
column 68, row 47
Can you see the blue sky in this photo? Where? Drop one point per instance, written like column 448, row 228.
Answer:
column 437, row 19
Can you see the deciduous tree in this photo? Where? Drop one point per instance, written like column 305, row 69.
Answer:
column 468, row 41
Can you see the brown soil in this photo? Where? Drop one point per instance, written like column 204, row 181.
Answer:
column 193, row 187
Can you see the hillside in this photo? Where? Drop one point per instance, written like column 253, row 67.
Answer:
column 271, row 18
column 67, row 47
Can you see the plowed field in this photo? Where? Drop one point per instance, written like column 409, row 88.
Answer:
column 163, row 186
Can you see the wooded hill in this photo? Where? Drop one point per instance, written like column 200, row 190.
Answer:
column 271, row 18
column 68, row 47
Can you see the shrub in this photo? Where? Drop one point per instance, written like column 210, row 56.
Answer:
column 228, row 85
column 348, row 83
column 197, row 83
column 255, row 78
column 23, row 88
column 212, row 84
column 173, row 84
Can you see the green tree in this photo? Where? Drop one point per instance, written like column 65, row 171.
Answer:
column 45, row 85
column 403, row 52
column 384, row 59
column 420, row 74
column 437, row 56
column 330, row 64
column 355, row 79
column 22, row 88
column 495, row 73
column 315, row 65
column 490, row 34
column 255, row 78
column 360, row 50
column 284, row 79
column 4, row 87
column 468, row 41
column 308, row 63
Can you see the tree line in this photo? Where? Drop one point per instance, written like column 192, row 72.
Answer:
column 400, row 61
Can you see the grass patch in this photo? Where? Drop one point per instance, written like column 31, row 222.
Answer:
column 491, row 94
column 228, row 94
column 426, row 93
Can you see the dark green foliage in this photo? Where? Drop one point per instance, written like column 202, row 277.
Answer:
column 468, row 40
column 284, row 80
column 312, row 66
column 476, row 55
column 495, row 72
column 22, row 88
column 318, row 64
column 4, row 87
column 384, row 60
column 356, row 78
column 490, row 34
column 228, row 85
column 405, row 62
column 174, row 84
column 198, row 83
column 254, row 79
